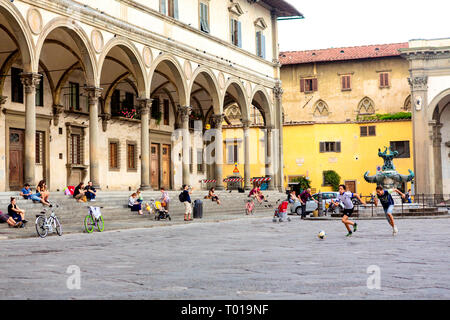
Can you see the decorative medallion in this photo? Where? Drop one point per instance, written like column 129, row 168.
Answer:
column 97, row 40
column 147, row 55
column 187, row 69
column 34, row 20
column 221, row 80
column 418, row 103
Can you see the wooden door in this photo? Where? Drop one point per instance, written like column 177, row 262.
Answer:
column 154, row 166
column 166, row 166
column 16, row 152
column 350, row 185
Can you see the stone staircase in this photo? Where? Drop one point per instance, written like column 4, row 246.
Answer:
column 118, row 216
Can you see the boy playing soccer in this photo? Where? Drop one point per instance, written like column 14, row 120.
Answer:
column 346, row 198
column 388, row 205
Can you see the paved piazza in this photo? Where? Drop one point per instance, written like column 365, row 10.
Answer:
column 241, row 259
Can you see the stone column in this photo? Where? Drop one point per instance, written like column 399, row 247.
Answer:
column 217, row 122
column 437, row 156
column 94, row 152
column 246, row 126
column 30, row 81
column 421, row 138
column 144, row 110
column 185, row 112
column 278, row 94
column 269, row 166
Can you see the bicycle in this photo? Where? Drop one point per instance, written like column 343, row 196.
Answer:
column 45, row 224
column 91, row 222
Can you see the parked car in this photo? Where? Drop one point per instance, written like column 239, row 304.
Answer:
column 311, row 205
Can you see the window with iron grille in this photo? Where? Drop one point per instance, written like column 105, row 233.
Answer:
column 40, row 147
column 402, row 147
column 131, row 156
column 330, row 146
column 114, row 155
column 75, row 149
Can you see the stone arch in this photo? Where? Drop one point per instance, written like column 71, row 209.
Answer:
column 177, row 71
column 240, row 96
column 321, row 109
column 213, row 87
column 135, row 58
column 263, row 104
column 366, row 106
column 81, row 39
column 407, row 103
column 21, row 33
column 436, row 100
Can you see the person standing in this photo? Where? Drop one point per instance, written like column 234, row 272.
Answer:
column 346, row 198
column 185, row 198
column 304, row 197
column 387, row 203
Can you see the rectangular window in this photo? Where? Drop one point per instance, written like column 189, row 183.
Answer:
column 345, row 82
column 236, row 32
column 402, row 147
column 40, row 92
column 75, row 149
column 384, row 80
column 260, row 45
column 115, row 103
column 169, row 7
column 308, row 85
column 200, row 160
column 16, row 85
column 131, row 156
column 74, row 96
column 155, row 112
column 114, row 155
column 166, row 112
column 330, row 146
column 232, row 153
column 39, row 147
column 204, row 17
column 366, row 131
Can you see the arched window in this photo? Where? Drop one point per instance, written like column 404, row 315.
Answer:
column 321, row 109
column 407, row 104
column 366, row 106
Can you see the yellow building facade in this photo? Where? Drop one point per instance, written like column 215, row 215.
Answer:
column 331, row 99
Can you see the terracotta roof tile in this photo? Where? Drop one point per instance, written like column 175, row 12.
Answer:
column 339, row 54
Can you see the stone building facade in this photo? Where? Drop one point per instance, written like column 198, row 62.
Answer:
column 93, row 90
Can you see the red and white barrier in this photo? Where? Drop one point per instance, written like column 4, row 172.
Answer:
column 233, row 180
column 207, row 180
column 261, row 179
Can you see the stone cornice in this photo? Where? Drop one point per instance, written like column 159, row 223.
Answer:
column 425, row 53
column 90, row 16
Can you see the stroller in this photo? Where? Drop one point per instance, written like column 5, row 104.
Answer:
column 281, row 212
column 160, row 212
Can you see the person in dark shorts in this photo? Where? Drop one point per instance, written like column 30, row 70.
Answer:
column 388, row 205
column 15, row 212
column 346, row 198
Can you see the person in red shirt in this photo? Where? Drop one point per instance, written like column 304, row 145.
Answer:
column 304, row 197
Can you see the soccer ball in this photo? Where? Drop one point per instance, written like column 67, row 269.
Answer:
column 321, row 234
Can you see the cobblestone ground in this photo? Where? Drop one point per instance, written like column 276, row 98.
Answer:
column 241, row 259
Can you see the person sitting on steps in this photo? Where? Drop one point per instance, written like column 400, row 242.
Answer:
column 15, row 212
column 26, row 191
column 134, row 204
column 213, row 196
column 90, row 193
column 79, row 192
column 10, row 221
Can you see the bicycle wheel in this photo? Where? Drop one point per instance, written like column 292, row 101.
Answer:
column 58, row 227
column 100, row 224
column 41, row 230
column 89, row 223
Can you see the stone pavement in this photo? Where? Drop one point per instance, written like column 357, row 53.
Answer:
column 239, row 259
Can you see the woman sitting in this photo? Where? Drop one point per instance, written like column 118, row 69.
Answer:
column 257, row 194
column 42, row 190
column 213, row 196
column 134, row 204
column 9, row 220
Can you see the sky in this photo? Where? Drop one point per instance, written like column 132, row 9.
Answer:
column 343, row 23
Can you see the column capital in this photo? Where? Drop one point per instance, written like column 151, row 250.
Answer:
column 30, row 80
column 145, row 105
column 93, row 93
column 246, row 123
column 216, row 120
column 185, row 112
column 418, row 83
column 278, row 91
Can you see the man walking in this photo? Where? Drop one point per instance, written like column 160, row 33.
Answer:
column 346, row 198
column 304, row 197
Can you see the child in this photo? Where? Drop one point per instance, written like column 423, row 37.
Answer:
column 139, row 196
column 388, row 205
column 346, row 198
